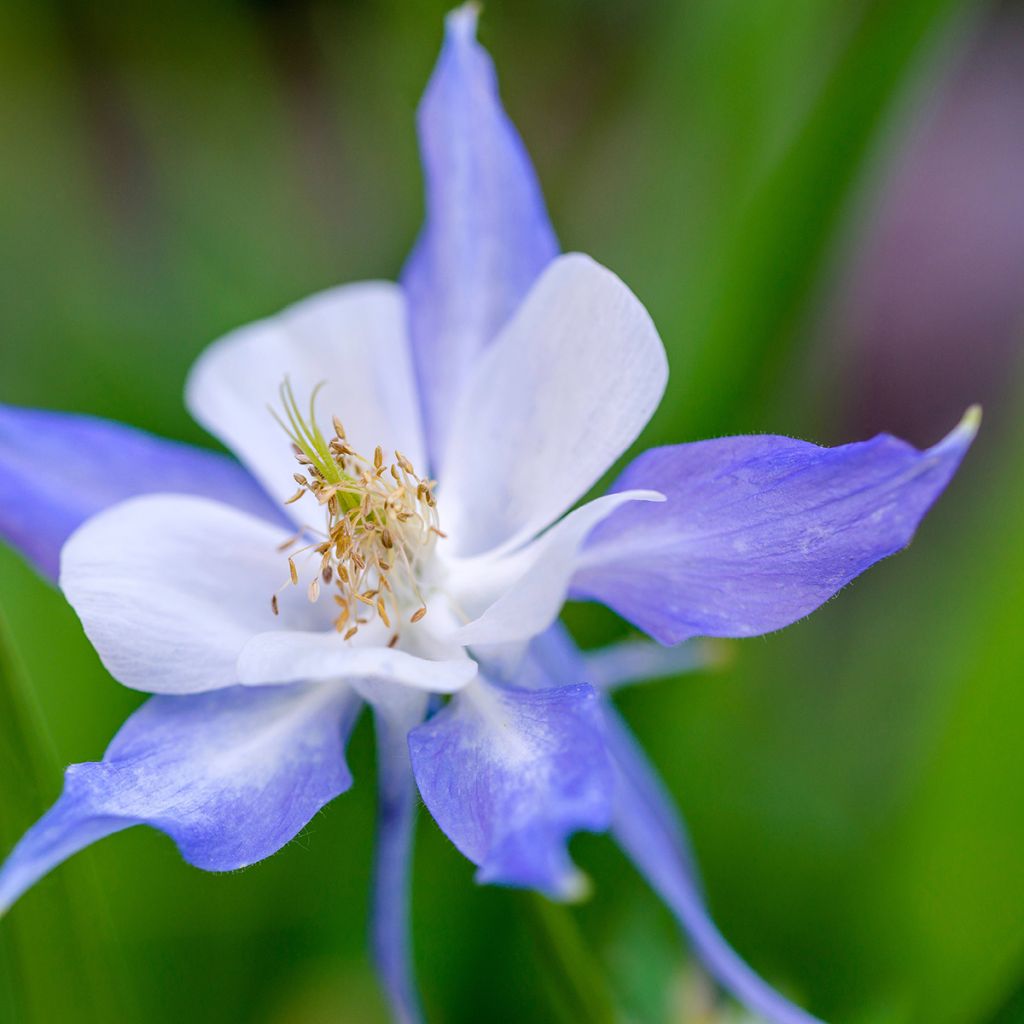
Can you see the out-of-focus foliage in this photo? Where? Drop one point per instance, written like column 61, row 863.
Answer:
column 854, row 785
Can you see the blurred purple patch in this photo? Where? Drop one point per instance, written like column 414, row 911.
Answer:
column 931, row 314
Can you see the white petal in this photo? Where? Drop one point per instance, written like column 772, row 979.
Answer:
column 559, row 396
column 354, row 339
column 287, row 657
column 524, row 592
column 170, row 588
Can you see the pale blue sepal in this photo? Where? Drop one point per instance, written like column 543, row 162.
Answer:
column 650, row 832
column 758, row 531
column 58, row 469
column 509, row 774
column 486, row 235
column 642, row 661
column 230, row 775
column 554, row 659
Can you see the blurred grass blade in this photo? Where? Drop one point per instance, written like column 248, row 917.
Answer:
column 953, row 869
column 575, row 982
column 54, row 951
column 1012, row 1011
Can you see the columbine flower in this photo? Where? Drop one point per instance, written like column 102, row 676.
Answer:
column 399, row 529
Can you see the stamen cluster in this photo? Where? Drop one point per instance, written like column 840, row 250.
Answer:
column 381, row 522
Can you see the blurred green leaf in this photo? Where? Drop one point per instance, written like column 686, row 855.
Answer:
column 56, row 964
column 576, row 982
column 950, row 874
column 1012, row 1012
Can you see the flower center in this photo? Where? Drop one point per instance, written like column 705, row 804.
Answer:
column 381, row 523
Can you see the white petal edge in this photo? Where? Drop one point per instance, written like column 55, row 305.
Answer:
column 564, row 390
column 170, row 588
column 523, row 592
column 354, row 339
column 288, row 657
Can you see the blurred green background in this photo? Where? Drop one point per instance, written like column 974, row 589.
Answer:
column 820, row 202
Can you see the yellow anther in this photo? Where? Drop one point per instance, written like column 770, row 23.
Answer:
column 381, row 521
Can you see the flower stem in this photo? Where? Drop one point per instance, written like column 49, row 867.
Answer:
column 572, row 976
